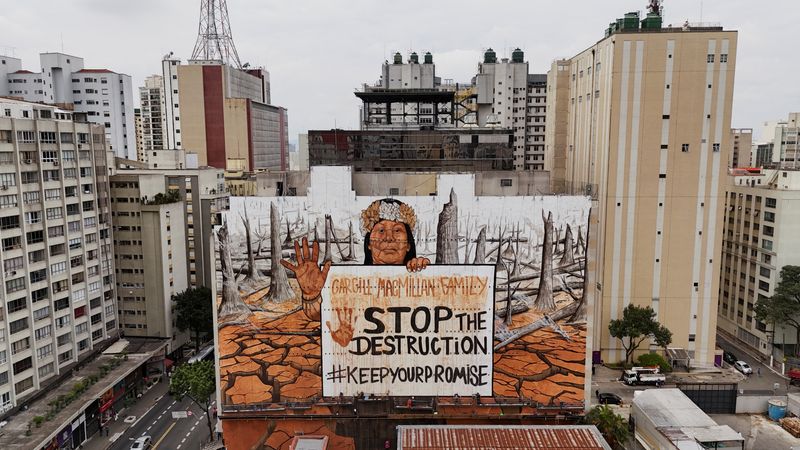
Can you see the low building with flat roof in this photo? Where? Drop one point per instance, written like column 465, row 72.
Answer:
column 668, row 419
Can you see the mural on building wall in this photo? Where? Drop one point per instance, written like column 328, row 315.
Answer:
column 519, row 263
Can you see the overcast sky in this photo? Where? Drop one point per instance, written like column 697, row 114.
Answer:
column 319, row 51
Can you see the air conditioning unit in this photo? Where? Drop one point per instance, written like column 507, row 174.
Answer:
column 28, row 161
column 4, row 187
column 55, row 163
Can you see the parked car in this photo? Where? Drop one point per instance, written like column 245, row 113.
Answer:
column 608, row 398
column 142, row 443
column 729, row 358
column 743, row 367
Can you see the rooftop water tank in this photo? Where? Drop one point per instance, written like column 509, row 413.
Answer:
column 517, row 56
column 489, row 57
column 398, row 58
column 428, row 58
column 414, row 59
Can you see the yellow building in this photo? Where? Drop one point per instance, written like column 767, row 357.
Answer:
column 647, row 136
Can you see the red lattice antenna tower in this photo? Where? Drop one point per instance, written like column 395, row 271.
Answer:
column 214, row 38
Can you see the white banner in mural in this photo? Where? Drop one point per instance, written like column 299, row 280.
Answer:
column 388, row 331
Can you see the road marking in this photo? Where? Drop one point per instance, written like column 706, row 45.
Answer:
column 183, row 440
column 187, row 434
column 148, row 428
column 164, row 435
column 193, row 428
column 179, row 446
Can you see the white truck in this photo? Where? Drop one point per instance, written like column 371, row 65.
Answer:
column 643, row 375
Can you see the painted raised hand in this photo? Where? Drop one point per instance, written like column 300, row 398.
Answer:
column 310, row 276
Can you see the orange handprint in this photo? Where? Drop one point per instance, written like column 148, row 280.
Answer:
column 344, row 334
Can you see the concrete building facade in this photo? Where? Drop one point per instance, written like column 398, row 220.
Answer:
column 153, row 118
column 105, row 96
column 535, row 122
column 657, row 188
column 742, row 140
column 762, row 210
column 58, row 297
column 223, row 115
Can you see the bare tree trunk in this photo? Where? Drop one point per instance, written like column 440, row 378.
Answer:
column 480, row 247
column 252, row 272
column 288, row 242
column 231, row 301
column 568, row 258
column 279, row 288
column 447, row 232
column 580, row 248
column 544, row 299
column 328, row 224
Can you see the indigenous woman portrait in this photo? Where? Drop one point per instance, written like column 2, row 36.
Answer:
column 388, row 228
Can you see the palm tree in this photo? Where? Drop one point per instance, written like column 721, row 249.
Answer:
column 613, row 427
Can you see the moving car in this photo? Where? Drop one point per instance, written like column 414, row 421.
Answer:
column 143, row 443
column 743, row 367
column 608, row 398
column 729, row 358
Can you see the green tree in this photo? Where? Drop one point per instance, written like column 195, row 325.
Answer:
column 783, row 306
column 195, row 381
column 194, row 312
column 637, row 324
column 613, row 427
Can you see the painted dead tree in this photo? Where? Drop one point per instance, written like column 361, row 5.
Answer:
column 568, row 258
column 231, row 303
column 252, row 277
column 480, row 248
column 279, row 288
column 447, row 232
column 544, row 298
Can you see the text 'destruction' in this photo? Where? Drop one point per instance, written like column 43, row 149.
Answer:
column 386, row 331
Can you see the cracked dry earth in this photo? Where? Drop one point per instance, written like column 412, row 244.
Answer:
column 279, row 360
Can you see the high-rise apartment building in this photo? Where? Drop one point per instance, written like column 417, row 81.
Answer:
column 535, row 122
column 502, row 88
column 152, row 102
column 785, row 139
column 742, row 141
column 176, row 209
column 106, row 97
column 57, row 282
column 648, row 136
column 762, row 209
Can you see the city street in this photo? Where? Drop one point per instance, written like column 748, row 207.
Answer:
column 188, row 430
column 755, row 382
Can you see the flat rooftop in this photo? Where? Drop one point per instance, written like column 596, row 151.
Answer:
column 12, row 435
column 500, row 437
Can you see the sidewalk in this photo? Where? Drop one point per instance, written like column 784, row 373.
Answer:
column 118, row 427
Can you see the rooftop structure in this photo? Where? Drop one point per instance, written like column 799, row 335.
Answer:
column 668, row 419
column 500, row 437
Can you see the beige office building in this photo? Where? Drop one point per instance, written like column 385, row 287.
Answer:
column 648, row 131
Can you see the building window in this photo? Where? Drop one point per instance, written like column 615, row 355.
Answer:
column 506, row 182
column 715, row 147
column 723, row 58
column 771, row 203
column 710, row 58
column 685, row 148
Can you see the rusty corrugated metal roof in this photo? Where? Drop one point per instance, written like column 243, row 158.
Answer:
column 500, row 437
